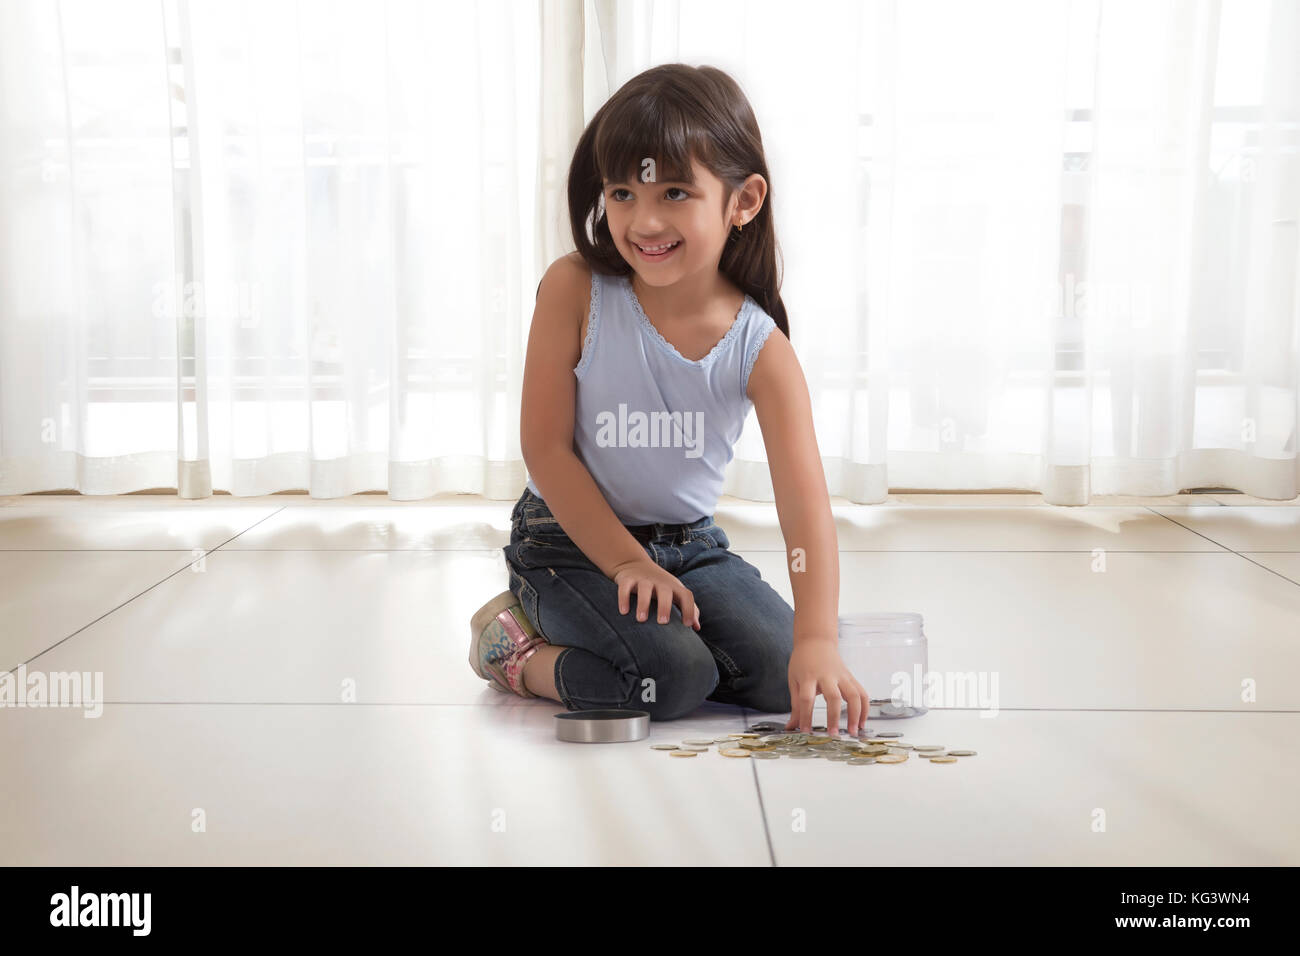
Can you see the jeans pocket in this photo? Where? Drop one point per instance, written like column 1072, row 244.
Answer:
column 545, row 528
column 533, row 550
column 715, row 536
column 536, row 521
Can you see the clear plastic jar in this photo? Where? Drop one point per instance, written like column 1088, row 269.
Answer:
column 886, row 652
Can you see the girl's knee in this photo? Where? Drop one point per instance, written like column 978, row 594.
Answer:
column 685, row 682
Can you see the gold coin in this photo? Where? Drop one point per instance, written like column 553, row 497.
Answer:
column 745, row 736
column 891, row 758
column 879, row 740
column 682, row 753
column 943, row 760
column 900, row 745
column 819, row 740
column 733, row 752
column 663, row 746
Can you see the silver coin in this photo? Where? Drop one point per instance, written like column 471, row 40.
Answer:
column 701, row 741
column 889, row 733
column 765, row 755
column 961, row 753
column 861, row 761
column 924, row 747
column 802, row 755
column 692, row 747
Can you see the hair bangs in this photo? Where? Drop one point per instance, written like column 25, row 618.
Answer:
column 649, row 131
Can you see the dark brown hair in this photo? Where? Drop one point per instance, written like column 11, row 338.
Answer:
column 675, row 113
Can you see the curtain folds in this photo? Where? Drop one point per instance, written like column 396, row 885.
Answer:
column 256, row 247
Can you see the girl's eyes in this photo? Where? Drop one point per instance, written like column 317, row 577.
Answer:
column 672, row 189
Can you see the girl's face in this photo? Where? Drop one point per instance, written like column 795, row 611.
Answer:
column 687, row 218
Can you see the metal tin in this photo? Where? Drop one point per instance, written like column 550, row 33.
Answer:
column 602, row 726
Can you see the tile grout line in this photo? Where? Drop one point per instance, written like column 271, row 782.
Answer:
column 1232, row 550
column 248, row 529
column 758, row 791
column 188, row 564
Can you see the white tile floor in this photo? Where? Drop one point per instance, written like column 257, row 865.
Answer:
column 226, row 630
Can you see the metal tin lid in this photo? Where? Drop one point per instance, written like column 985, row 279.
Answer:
column 602, row 726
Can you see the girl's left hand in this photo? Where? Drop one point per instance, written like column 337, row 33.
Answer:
column 816, row 668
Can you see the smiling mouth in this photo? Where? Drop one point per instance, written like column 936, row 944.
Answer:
column 657, row 252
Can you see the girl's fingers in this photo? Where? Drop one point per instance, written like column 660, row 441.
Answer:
column 663, row 596
column 691, row 614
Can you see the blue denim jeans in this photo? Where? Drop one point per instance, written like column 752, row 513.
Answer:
column 740, row 655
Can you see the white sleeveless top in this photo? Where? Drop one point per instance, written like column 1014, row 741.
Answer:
column 656, row 429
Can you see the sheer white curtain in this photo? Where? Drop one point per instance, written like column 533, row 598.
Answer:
column 256, row 247
column 1044, row 245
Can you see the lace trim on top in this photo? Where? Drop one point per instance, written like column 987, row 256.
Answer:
column 593, row 319
column 754, row 346
column 667, row 346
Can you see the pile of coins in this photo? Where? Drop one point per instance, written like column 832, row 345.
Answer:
column 767, row 741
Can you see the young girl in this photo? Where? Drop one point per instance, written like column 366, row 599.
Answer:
column 648, row 347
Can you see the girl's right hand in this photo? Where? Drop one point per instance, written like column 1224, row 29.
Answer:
column 649, row 581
